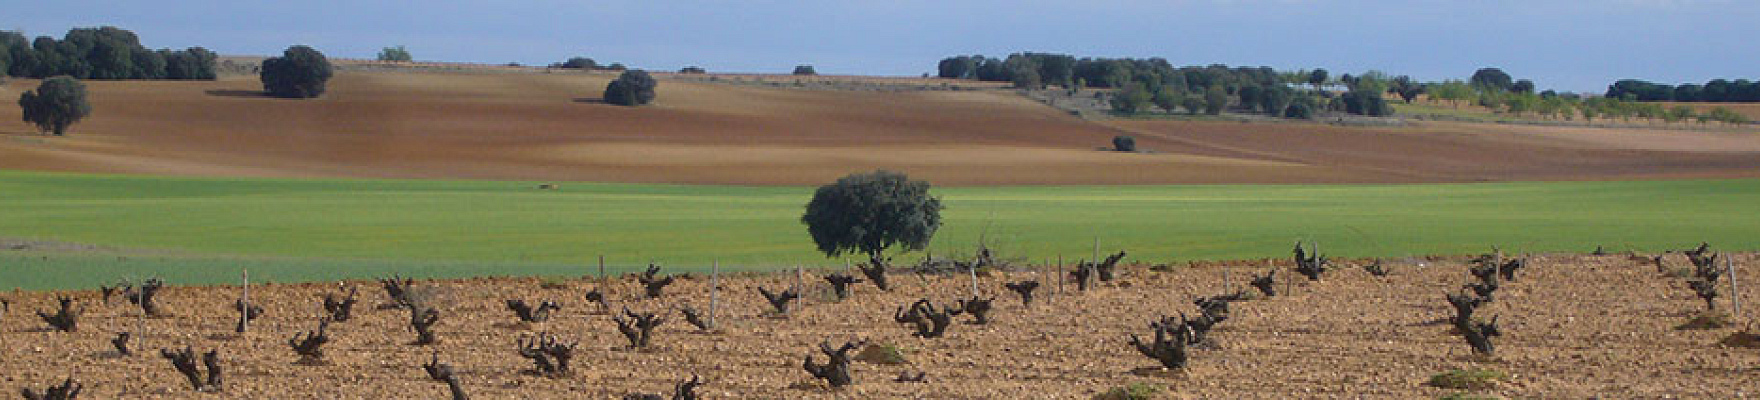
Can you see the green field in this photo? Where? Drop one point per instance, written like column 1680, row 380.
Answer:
column 202, row 230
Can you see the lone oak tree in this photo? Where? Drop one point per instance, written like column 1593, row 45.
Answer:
column 870, row 212
column 56, row 104
column 299, row 73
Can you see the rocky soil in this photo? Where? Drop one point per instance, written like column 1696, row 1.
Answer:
column 1573, row 327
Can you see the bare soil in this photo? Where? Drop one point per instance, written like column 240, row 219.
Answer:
column 481, row 124
column 1573, row 327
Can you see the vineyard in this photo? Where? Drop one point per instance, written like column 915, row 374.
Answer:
column 1519, row 326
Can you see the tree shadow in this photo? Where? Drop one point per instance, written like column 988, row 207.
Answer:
column 591, row 100
column 237, row 93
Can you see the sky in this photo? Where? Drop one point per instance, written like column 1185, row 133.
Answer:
column 1575, row 45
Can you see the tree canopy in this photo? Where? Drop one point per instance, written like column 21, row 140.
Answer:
column 1492, row 79
column 870, row 212
column 633, row 88
column 300, row 72
column 394, row 53
column 1714, row 91
column 56, row 104
column 105, row 52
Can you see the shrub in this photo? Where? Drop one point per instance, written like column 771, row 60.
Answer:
column 1467, row 379
column 299, row 73
column 804, row 70
column 882, row 354
column 1134, row 391
column 692, row 70
column 870, row 212
column 395, row 53
column 633, row 88
column 56, row 104
column 1124, row 143
column 1364, row 102
column 1299, row 111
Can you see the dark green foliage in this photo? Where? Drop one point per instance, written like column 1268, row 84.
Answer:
column 1215, row 100
column 57, row 103
column 1275, row 99
column 1715, row 91
column 959, row 67
column 93, row 53
column 16, row 57
column 1522, row 86
column 1168, row 99
column 394, row 53
column 633, row 88
column 1192, row 104
column 693, row 70
column 299, row 73
column 1407, row 90
column 1130, row 100
column 1135, row 391
column 1027, row 78
column 1370, row 103
column 804, row 70
column 193, row 63
column 870, row 212
column 1124, row 143
column 577, row 63
column 1474, row 379
column 1155, row 74
column 1250, row 96
column 1299, row 111
column 1492, row 79
column 1317, row 78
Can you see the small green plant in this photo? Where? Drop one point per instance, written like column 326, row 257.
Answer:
column 1134, row 391
column 1467, row 396
column 1468, row 379
column 553, row 283
column 883, row 354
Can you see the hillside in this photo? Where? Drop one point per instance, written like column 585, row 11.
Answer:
column 538, row 126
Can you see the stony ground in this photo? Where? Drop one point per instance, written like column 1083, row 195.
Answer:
column 1574, row 327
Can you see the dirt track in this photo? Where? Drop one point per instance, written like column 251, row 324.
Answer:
column 550, row 127
column 1573, row 327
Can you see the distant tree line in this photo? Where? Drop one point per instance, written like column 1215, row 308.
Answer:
column 100, row 53
column 1196, row 89
column 587, row 64
column 1715, row 91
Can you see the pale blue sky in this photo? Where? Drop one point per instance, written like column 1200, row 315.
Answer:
column 1577, row 45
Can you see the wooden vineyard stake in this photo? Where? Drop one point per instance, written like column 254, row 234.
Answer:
column 714, row 289
column 244, row 320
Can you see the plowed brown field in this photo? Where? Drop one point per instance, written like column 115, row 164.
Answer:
column 534, row 126
column 1573, row 327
